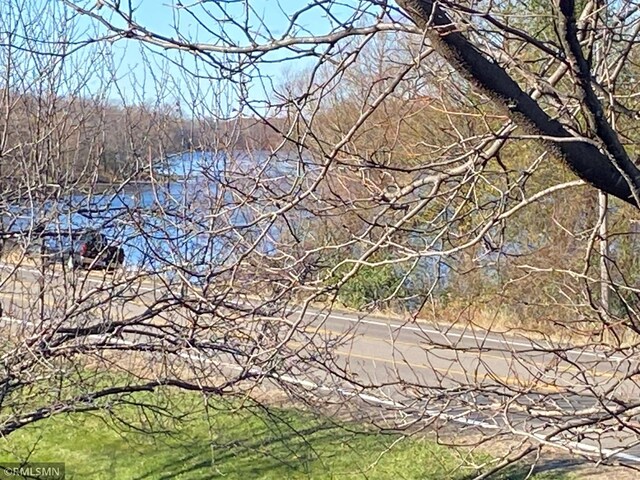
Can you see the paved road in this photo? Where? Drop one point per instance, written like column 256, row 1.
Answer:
column 425, row 369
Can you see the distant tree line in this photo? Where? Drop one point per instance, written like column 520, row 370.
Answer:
column 58, row 140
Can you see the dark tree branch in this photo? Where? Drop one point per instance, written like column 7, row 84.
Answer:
column 617, row 176
column 595, row 113
column 87, row 402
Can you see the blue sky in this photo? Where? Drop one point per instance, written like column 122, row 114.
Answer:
column 132, row 60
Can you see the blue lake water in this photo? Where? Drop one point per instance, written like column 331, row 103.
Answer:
column 193, row 215
column 184, row 217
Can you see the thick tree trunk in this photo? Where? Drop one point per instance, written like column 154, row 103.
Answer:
column 613, row 174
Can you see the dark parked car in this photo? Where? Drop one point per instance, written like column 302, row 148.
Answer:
column 93, row 250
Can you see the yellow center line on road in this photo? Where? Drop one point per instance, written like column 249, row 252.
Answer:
column 421, row 345
column 511, row 381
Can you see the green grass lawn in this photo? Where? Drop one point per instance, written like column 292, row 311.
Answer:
column 223, row 442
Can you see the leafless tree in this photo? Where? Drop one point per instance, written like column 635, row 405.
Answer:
column 411, row 159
